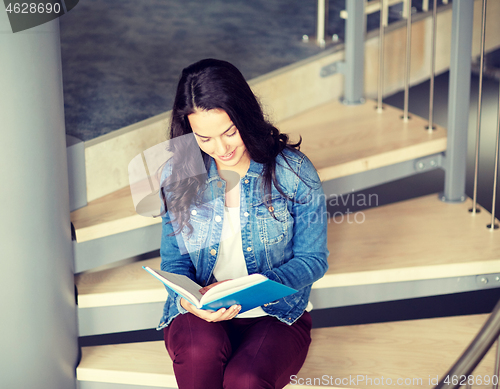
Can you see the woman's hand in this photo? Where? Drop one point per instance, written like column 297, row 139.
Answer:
column 210, row 316
column 205, row 289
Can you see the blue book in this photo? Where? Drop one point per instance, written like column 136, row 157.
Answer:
column 250, row 291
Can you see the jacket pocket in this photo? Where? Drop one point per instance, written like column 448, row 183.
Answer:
column 272, row 230
column 200, row 220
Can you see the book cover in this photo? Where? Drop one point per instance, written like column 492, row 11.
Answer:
column 249, row 291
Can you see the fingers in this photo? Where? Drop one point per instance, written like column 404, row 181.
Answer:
column 220, row 315
column 227, row 314
column 205, row 289
column 209, row 316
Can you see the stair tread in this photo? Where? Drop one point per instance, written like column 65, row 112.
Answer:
column 361, row 140
column 108, row 215
column 126, row 284
column 421, row 238
column 417, row 239
column 419, row 349
column 342, row 140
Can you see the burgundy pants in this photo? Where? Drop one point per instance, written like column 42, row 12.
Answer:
column 235, row 354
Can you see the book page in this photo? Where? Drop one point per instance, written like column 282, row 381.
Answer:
column 232, row 286
column 181, row 284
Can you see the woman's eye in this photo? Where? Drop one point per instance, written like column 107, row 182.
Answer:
column 234, row 133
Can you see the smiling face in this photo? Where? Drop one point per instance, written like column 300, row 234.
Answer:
column 218, row 137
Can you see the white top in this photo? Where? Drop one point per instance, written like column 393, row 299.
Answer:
column 231, row 261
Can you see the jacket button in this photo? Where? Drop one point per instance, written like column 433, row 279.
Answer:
column 218, row 219
column 266, row 305
column 193, row 212
column 249, row 249
column 271, row 209
column 219, row 184
column 213, row 252
column 246, row 181
column 246, row 214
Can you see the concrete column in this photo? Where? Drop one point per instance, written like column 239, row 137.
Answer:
column 38, row 329
column 459, row 99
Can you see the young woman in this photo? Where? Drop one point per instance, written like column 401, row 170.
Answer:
column 258, row 208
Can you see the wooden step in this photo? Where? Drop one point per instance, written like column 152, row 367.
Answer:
column 108, row 215
column 418, row 239
column 340, row 140
column 122, row 285
column 416, row 351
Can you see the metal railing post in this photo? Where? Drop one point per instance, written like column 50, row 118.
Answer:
column 380, row 88
column 492, row 226
column 354, row 52
column 431, row 126
column 321, row 23
column 475, row 352
column 459, row 99
column 497, row 365
column 479, row 110
column 408, row 62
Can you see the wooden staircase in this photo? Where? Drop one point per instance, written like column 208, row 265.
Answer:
column 414, row 240
column 414, row 248
column 384, row 251
column 356, row 356
column 362, row 139
column 345, row 140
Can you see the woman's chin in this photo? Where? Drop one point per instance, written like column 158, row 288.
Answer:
column 222, row 165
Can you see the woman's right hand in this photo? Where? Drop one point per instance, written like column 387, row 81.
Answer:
column 210, row 316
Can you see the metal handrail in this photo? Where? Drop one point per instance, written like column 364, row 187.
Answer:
column 476, row 351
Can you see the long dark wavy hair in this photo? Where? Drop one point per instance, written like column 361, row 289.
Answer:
column 214, row 84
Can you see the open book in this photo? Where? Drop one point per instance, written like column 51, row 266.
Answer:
column 249, row 291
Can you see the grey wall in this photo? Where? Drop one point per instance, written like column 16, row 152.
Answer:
column 38, row 334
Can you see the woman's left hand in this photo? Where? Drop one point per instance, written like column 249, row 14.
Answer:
column 211, row 316
column 205, row 289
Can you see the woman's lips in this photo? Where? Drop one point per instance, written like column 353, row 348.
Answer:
column 227, row 157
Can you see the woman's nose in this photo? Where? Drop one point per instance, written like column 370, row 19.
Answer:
column 220, row 147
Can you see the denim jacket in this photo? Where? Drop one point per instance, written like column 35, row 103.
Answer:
column 290, row 248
